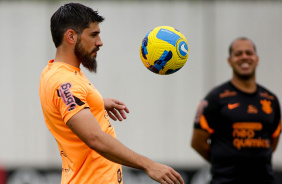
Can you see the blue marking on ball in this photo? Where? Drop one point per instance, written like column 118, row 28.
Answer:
column 161, row 62
column 168, row 36
column 144, row 46
column 183, row 48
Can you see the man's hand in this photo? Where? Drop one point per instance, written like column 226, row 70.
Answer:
column 115, row 108
column 164, row 174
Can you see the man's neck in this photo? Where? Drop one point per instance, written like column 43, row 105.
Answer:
column 66, row 56
column 245, row 85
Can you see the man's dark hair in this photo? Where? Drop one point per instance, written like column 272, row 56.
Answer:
column 241, row 38
column 73, row 16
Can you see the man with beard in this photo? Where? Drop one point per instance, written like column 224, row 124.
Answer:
column 77, row 115
column 238, row 123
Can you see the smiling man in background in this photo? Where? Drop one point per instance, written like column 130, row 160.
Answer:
column 238, row 124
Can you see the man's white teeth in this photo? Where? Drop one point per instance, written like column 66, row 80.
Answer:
column 245, row 65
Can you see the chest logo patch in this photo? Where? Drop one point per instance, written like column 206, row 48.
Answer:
column 252, row 109
column 233, row 106
column 266, row 106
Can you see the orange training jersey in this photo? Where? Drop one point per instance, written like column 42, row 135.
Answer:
column 64, row 90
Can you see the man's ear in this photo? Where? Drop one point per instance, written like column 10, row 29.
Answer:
column 229, row 61
column 257, row 60
column 70, row 36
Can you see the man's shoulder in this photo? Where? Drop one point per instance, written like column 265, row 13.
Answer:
column 57, row 73
column 222, row 89
column 266, row 93
column 54, row 77
column 223, row 85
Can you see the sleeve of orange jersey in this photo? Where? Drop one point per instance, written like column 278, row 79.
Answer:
column 70, row 98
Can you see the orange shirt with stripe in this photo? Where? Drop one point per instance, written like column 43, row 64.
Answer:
column 64, row 91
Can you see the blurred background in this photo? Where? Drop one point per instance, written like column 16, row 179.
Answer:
column 162, row 108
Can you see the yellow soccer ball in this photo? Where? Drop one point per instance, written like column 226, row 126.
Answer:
column 164, row 50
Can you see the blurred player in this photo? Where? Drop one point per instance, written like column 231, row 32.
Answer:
column 77, row 115
column 238, row 125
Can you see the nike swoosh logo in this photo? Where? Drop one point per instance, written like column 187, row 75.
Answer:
column 233, row 106
column 184, row 49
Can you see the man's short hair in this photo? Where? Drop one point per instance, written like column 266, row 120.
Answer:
column 240, row 38
column 73, row 16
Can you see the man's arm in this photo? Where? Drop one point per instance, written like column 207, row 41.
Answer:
column 200, row 143
column 86, row 127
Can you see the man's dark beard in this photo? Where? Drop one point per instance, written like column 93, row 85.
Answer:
column 244, row 77
column 84, row 57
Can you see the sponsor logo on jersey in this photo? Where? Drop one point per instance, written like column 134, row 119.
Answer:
column 266, row 95
column 252, row 109
column 119, row 176
column 66, row 95
column 266, row 106
column 227, row 93
column 244, row 135
column 233, row 106
column 69, row 100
